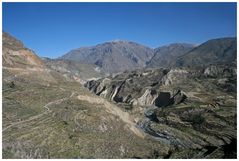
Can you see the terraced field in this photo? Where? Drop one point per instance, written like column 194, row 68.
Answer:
column 52, row 122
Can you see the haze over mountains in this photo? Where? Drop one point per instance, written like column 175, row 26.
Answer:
column 121, row 99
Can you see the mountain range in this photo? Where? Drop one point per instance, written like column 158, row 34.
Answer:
column 120, row 99
column 118, row 56
column 115, row 56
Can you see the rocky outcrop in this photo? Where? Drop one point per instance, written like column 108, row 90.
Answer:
column 148, row 97
column 219, row 71
column 140, row 88
column 212, row 71
column 174, row 76
column 188, row 110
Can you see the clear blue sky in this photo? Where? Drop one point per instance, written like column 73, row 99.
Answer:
column 52, row 29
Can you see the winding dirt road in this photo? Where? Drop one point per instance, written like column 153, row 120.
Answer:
column 41, row 114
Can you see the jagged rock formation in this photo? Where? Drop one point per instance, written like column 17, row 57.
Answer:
column 175, row 75
column 185, row 109
column 141, row 87
column 225, row 76
column 148, row 98
column 137, row 87
column 220, row 71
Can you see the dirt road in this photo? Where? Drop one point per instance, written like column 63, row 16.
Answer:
column 41, row 114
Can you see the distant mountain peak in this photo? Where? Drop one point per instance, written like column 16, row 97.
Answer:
column 119, row 40
column 113, row 56
column 119, row 55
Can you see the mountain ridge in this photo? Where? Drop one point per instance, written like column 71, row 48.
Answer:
column 163, row 56
column 113, row 56
column 221, row 50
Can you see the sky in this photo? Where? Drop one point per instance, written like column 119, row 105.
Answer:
column 53, row 29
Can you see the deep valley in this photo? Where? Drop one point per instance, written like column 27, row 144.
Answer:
column 120, row 99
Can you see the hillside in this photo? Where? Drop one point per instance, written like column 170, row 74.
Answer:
column 45, row 114
column 79, row 71
column 153, row 113
column 197, row 119
column 165, row 56
column 216, row 51
column 15, row 54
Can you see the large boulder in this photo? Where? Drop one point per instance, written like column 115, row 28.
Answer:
column 148, row 97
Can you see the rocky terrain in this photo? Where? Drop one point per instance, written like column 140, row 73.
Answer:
column 143, row 112
column 193, row 112
column 49, row 115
